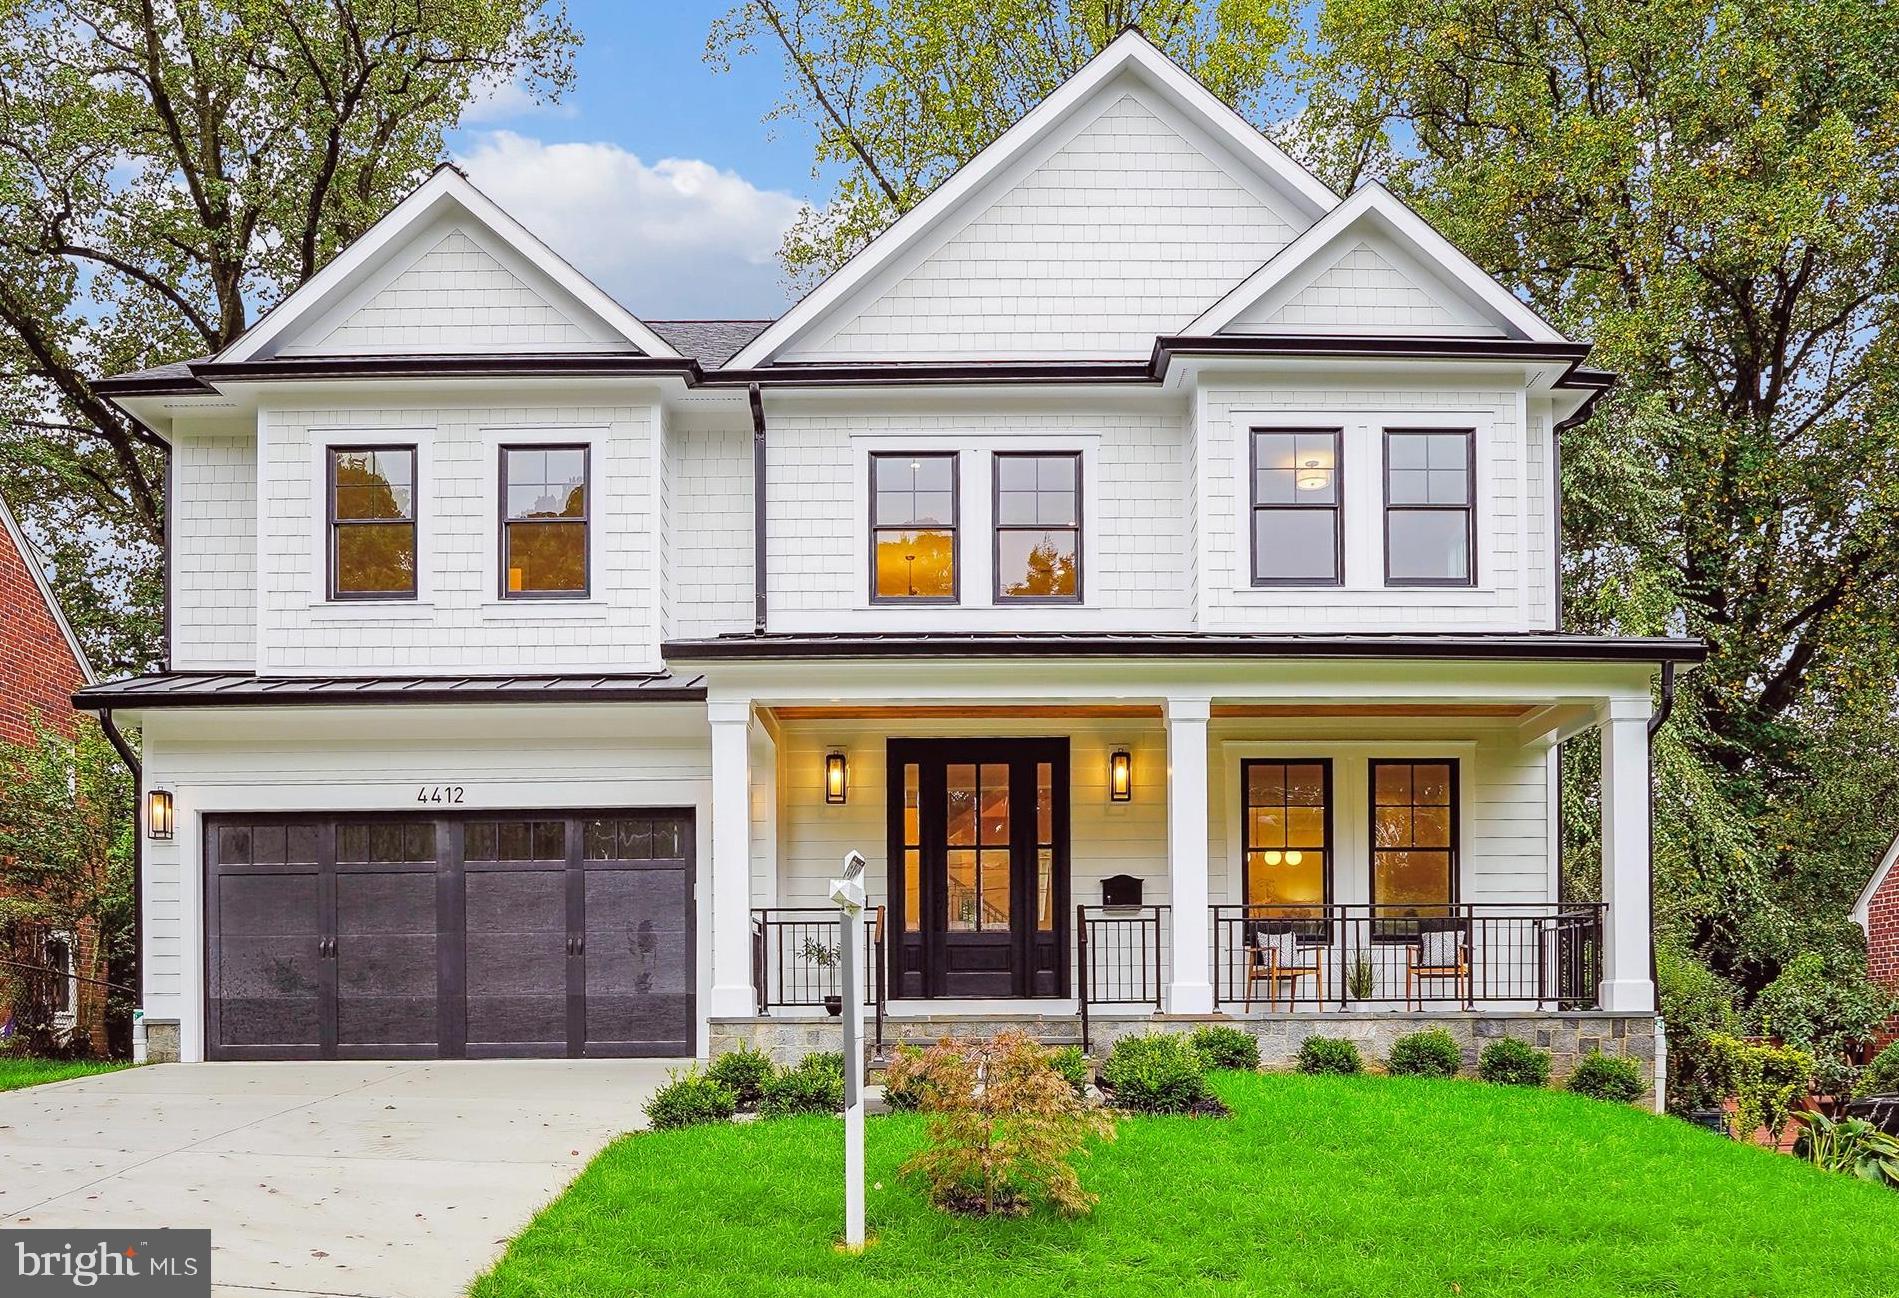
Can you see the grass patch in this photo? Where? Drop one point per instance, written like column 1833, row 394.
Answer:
column 1315, row 1186
column 18, row 1073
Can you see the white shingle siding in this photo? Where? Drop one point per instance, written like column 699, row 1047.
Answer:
column 458, row 622
column 214, row 550
column 1364, row 290
column 709, row 516
column 1128, row 230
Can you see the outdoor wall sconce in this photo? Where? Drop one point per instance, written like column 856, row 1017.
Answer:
column 158, row 814
column 1120, row 776
column 836, row 779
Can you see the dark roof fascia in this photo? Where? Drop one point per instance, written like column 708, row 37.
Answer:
column 163, row 386
column 907, row 373
column 233, row 689
column 585, row 364
column 1534, row 646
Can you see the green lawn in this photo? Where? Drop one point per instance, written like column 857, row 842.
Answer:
column 1316, row 1185
column 16, row 1073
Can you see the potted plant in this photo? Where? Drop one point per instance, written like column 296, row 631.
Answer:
column 825, row 958
column 1361, row 985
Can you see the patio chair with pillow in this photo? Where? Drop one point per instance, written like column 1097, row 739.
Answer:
column 1440, row 953
column 1277, row 958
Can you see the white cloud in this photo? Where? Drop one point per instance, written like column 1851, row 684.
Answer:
column 677, row 238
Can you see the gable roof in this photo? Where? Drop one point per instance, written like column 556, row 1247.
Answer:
column 1862, row 906
column 1373, row 209
column 30, row 558
column 446, row 192
column 1129, row 55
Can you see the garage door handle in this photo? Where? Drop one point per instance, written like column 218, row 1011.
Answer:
column 576, row 946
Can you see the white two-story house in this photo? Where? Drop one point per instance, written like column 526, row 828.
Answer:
column 1146, row 557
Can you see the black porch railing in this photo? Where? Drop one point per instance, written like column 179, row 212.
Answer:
column 789, row 969
column 1292, row 957
column 1119, row 958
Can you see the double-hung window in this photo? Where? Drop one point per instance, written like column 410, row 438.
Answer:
column 1430, row 525
column 1414, row 838
column 1287, row 868
column 1297, row 540
column 913, row 508
column 372, row 522
column 1038, row 526
column 545, row 504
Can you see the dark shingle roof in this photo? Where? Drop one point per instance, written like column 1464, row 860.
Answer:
column 711, row 342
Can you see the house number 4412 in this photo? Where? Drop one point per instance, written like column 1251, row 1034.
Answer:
column 439, row 793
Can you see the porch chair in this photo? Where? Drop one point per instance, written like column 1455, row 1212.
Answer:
column 1439, row 953
column 1275, row 958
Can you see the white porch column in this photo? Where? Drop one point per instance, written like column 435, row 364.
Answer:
column 730, row 905
column 1626, row 980
column 1189, row 988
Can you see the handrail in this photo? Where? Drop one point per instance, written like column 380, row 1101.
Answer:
column 1120, row 955
column 784, row 978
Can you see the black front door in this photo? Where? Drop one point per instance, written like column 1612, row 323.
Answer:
column 979, row 867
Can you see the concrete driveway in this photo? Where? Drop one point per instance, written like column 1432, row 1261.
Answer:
column 390, row 1180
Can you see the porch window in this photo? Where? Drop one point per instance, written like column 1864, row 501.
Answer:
column 913, row 510
column 912, row 849
column 544, row 521
column 1414, row 837
column 1430, row 528
column 372, row 522
column 1296, row 534
column 1038, row 527
column 1288, row 860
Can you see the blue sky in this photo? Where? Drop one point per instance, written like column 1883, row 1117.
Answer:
column 658, row 176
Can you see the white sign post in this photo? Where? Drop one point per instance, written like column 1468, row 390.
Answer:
column 848, row 895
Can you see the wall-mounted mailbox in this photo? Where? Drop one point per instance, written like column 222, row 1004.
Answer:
column 1120, row 890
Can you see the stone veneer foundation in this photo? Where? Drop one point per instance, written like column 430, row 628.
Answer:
column 161, row 1041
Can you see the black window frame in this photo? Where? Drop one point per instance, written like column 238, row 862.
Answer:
column 1402, row 928
column 954, row 527
column 1316, row 929
column 505, row 523
column 333, row 524
column 997, row 527
column 1255, row 508
column 1468, row 508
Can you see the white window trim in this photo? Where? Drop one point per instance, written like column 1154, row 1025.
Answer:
column 417, row 606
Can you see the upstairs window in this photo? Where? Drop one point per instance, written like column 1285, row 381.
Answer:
column 1430, row 529
column 544, row 517
column 1297, row 540
column 913, row 510
column 372, row 522
column 1038, row 527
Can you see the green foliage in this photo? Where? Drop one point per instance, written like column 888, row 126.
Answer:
column 1433, row 1053
column 1328, row 1055
column 1223, row 1046
column 1004, row 1126
column 743, row 1072
column 1696, row 1004
column 1765, row 1082
column 1821, row 1010
column 689, row 1098
column 815, row 1084
column 1509, row 1062
column 1072, row 1064
column 1607, row 1077
column 1850, row 1145
column 902, row 92
column 1881, row 1076
column 1158, row 1073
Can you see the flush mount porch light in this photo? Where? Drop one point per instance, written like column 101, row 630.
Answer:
column 158, row 814
column 836, row 778
column 1120, row 776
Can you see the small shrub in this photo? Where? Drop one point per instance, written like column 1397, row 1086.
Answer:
column 1004, row 1125
column 1227, row 1047
column 1509, row 1062
column 1329, row 1055
column 1425, row 1054
column 1881, row 1077
column 743, row 1072
column 1606, row 1077
column 1162, row 1073
column 814, row 1085
column 1072, row 1064
column 903, row 1087
column 687, row 1099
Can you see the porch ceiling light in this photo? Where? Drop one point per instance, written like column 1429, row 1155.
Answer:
column 1120, row 776
column 159, row 815
column 836, row 779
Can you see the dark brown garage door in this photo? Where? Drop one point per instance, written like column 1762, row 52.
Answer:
column 399, row 937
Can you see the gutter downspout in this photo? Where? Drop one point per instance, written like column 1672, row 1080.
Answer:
column 1656, row 721
column 757, row 401
column 132, row 764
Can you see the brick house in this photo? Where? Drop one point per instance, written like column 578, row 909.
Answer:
column 1877, row 912
column 1147, row 558
column 41, row 664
